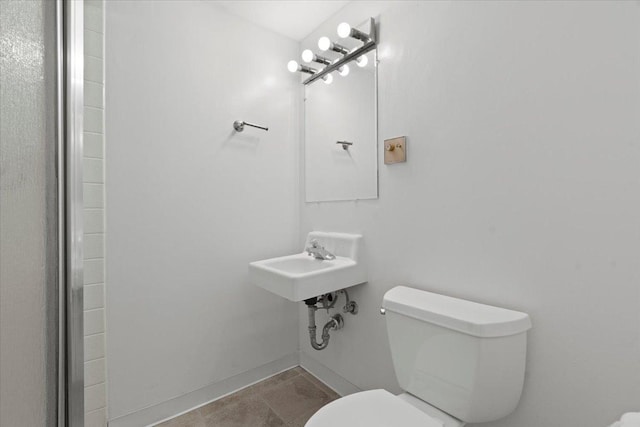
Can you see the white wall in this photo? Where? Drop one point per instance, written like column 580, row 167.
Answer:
column 190, row 201
column 521, row 190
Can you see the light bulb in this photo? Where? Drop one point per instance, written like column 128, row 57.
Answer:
column 324, row 44
column 328, row 79
column 362, row 61
column 344, row 70
column 344, row 30
column 293, row 66
column 307, row 55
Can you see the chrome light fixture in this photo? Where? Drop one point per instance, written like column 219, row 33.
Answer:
column 293, row 66
column 309, row 56
column 345, row 30
column 325, row 44
column 362, row 61
column 341, row 64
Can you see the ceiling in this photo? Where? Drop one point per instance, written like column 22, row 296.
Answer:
column 295, row 19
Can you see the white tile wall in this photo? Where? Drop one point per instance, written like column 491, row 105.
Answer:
column 93, row 119
column 93, row 69
column 93, row 145
column 94, row 246
column 93, row 271
column 94, row 296
column 94, row 204
column 95, row 418
column 93, row 94
column 94, row 372
column 93, row 196
column 93, row 41
column 94, row 397
column 93, row 221
column 94, row 321
column 94, row 347
column 93, row 19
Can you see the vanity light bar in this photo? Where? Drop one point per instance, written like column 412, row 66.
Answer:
column 356, row 54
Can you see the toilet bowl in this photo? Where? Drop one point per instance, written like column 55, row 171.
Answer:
column 457, row 361
column 379, row 408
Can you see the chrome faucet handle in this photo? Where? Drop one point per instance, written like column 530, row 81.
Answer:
column 313, row 244
column 318, row 251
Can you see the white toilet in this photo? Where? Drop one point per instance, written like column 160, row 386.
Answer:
column 457, row 361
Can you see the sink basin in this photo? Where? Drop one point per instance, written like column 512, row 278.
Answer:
column 298, row 277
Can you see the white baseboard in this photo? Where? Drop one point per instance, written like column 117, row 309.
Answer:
column 327, row 376
column 187, row 402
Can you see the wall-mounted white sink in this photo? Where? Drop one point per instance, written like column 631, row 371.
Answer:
column 300, row 276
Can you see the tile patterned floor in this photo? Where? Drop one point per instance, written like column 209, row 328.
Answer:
column 285, row 400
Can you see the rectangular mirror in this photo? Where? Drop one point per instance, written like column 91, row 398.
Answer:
column 341, row 156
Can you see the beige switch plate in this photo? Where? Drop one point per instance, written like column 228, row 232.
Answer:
column 395, row 150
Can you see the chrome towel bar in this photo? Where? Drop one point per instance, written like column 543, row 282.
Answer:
column 345, row 144
column 239, row 125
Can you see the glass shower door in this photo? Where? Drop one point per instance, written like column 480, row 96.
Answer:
column 28, row 214
column 38, row 278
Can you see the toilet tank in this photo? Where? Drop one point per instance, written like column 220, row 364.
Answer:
column 465, row 358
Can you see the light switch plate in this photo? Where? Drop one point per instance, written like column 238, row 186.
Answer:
column 395, row 150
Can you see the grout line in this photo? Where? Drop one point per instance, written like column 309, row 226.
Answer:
column 93, row 385
column 93, row 31
column 301, row 374
column 270, row 407
column 95, row 108
column 260, row 396
column 91, row 335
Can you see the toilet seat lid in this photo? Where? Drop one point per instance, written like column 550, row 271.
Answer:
column 373, row 408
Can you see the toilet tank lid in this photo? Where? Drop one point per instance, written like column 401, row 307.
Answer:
column 469, row 317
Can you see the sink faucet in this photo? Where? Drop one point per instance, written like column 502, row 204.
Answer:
column 319, row 252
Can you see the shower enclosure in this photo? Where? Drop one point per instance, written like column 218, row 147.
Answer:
column 41, row 75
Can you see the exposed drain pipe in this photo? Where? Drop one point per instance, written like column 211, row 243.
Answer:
column 335, row 323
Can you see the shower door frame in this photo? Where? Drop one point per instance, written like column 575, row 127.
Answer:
column 70, row 108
